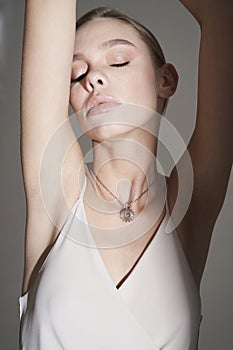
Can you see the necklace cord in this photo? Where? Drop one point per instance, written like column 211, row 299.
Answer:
column 127, row 204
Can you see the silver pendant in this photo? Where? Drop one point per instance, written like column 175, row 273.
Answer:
column 127, row 214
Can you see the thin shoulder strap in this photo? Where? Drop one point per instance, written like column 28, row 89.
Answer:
column 83, row 187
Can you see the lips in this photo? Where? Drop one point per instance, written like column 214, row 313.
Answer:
column 101, row 104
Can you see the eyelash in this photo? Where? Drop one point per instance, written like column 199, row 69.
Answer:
column 76, row 80
column 120, row 64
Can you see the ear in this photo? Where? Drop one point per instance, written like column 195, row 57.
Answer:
column 168, row 81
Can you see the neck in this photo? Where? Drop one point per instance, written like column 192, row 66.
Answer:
column 125, row 167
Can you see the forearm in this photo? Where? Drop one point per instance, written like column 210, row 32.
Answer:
column 48, row 46
column 210, row 11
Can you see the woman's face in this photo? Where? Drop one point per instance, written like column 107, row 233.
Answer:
column 111, row 63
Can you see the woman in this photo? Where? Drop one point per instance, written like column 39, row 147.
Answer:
column 143, row 291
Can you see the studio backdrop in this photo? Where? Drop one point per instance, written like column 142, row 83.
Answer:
column 179, row 36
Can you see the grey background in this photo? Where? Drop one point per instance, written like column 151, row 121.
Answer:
column 179, row 36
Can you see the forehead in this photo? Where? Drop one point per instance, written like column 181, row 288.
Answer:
column 97, row 31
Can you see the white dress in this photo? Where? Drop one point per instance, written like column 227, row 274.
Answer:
column 74, row 304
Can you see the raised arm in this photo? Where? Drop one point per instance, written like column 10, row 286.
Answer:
column 46, row 70
column 211, row 144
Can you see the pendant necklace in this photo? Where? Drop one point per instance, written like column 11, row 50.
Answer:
column 126, row 213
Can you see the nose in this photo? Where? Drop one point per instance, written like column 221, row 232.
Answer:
column 95, row 80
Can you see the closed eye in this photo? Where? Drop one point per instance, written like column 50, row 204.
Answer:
column 78, row 79
column 119, row 64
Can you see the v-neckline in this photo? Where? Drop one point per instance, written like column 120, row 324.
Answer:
column 137, row 263
column 124, row 279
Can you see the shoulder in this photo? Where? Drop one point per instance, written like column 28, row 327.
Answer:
column 193, row 224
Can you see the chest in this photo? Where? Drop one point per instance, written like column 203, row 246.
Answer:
column 123, row 245
column 159, row 291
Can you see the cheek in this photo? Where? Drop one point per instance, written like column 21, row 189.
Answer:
column 141, row 88
column 76, row 98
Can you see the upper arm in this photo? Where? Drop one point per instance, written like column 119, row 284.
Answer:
column 211, row 144
column 46, row 69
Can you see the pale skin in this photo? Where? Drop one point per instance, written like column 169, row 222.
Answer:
column 210, row 146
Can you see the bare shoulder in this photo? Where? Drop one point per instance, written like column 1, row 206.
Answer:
column 197, row 224
column 47, row 213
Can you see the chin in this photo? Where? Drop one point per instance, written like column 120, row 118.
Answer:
column 109, row 132
column 121, row 122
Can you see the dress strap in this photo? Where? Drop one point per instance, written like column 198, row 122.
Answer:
column 83, row 187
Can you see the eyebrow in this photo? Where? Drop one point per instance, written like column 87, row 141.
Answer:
column 113, row 42
column 107, row 45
